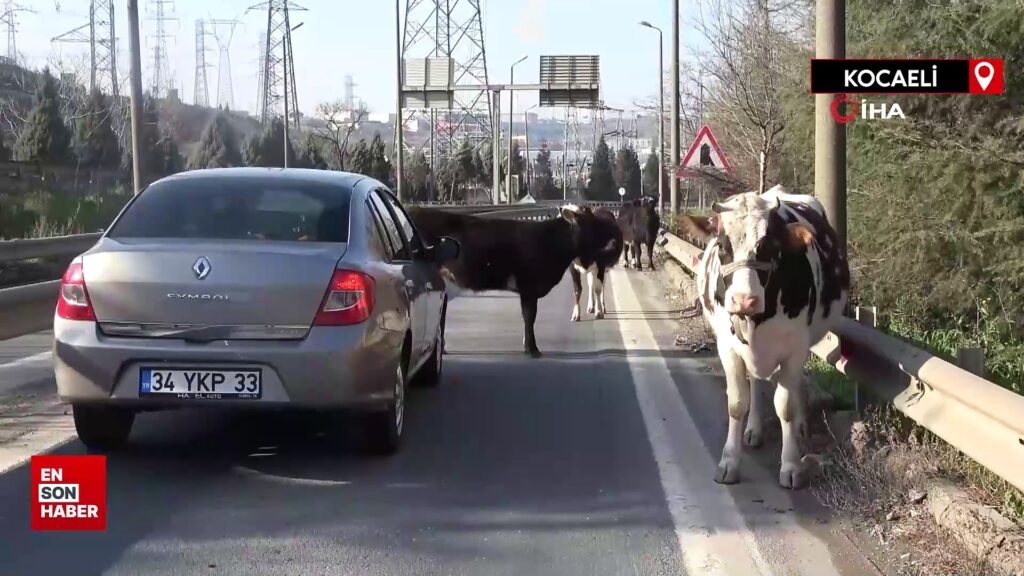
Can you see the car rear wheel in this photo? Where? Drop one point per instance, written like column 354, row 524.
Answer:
column 102, row 427
column 384, row 429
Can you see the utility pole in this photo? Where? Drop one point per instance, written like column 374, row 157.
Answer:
column 511, row 106
column 136, row 94
column 565, row 153
column 674, row 182
column 829, row 135
column 661, row 115
column 399, row 142
column 284, row 70
column 496, row 147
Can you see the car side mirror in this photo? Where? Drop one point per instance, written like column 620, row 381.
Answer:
column 446, row 250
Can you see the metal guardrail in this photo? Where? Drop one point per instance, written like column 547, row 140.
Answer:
column 11, row 250
column 980, row 418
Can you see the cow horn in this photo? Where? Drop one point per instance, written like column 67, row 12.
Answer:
column 774, row 203
column 718, row 208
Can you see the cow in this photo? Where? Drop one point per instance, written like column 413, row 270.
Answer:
column 593, row 261
column 529, row 258
column 773, row 281
column 639, row 222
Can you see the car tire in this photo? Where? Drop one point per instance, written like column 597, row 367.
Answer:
column 384, row 429
column 429, row 376
column 102, row 428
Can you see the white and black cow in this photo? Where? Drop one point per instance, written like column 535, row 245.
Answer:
column 639, row 222
column 529, row 258
column 594, row 261
column 773, row 281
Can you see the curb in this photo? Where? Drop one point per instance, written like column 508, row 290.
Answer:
column 991, row 537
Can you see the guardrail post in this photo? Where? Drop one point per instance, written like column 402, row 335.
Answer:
column 972, row 360
column 867, row 316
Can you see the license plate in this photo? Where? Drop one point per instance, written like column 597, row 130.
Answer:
column 201, row 383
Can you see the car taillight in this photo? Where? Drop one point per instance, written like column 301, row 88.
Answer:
column 73, row 301
column 349, row 300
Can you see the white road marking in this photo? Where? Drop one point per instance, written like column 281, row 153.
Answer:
column 32, row 422
column 714, row 538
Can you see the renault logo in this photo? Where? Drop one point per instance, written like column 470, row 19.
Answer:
column 202, row 268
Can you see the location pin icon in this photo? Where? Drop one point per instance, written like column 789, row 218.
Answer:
column 984, row 71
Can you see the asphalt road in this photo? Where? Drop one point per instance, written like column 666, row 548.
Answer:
column 596, row 459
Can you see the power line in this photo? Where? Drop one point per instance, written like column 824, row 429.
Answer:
column 201, row 89
column 100, row 34
column 278, row 97
column 9, row 16
column 224, row 33
column 163, row 82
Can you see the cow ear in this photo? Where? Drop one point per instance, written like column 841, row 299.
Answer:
column 699, row 227
column 798, row 237
column 569, row 214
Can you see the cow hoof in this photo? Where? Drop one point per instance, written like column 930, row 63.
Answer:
column 575, row 318
column 728, row 472
column 791, row 476
column 599, row 316
column 590, row 309
column 752, row 438
column 534, row 353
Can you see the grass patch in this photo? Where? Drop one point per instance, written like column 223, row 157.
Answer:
column 842, row 388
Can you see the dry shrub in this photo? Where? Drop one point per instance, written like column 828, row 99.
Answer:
column 880, row 477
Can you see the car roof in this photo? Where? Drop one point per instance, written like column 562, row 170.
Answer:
column 345, row 179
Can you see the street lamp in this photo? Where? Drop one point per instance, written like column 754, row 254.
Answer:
column 526, row 122
column 511, row 105
column 284, row 64
column 661, row 114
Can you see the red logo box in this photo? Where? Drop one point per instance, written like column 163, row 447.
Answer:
column 69, row 492
column 985, row 76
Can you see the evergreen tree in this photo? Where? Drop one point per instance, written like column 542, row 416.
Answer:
column 266, row 149
column 152, row 155
column 380, row 165
column 651, row 172
column 45, row 138
column 543, row 180
column 415, row 175
column 311, row 154
column 168, row 158
column 627, row 172
column 359, row 160
column 518, row 167
column 95, row 141
column 5, row 152
column 602, row 181
column 218, row 146
column 484, row 160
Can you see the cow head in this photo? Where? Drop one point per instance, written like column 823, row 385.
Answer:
column 590, row 233
column 749, row 237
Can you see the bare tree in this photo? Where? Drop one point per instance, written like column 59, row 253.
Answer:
column 340, row 123
column 745, row 71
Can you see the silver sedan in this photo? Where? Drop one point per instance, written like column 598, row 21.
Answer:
column 252, row 288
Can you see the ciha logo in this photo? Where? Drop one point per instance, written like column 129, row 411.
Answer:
column 863, row 109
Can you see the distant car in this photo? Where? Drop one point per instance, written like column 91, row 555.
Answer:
column 252, row 288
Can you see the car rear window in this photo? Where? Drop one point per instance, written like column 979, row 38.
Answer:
column 238, row 209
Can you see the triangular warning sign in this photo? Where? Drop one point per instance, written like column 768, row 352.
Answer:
column 703, row 153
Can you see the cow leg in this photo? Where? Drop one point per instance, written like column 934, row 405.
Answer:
column 791, row 411
column 577, row 289
column 599, row 291
column 752, row 435
column 638, row 256
column 591, row 285
column 529, row 306
column 627, row 252
column 650, row 253
column 738, row 392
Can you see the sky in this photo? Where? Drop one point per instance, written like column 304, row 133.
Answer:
column 357, row 37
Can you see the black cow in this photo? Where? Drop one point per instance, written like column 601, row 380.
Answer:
column 602, row 253
column 639, row 222
column 526, row 257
